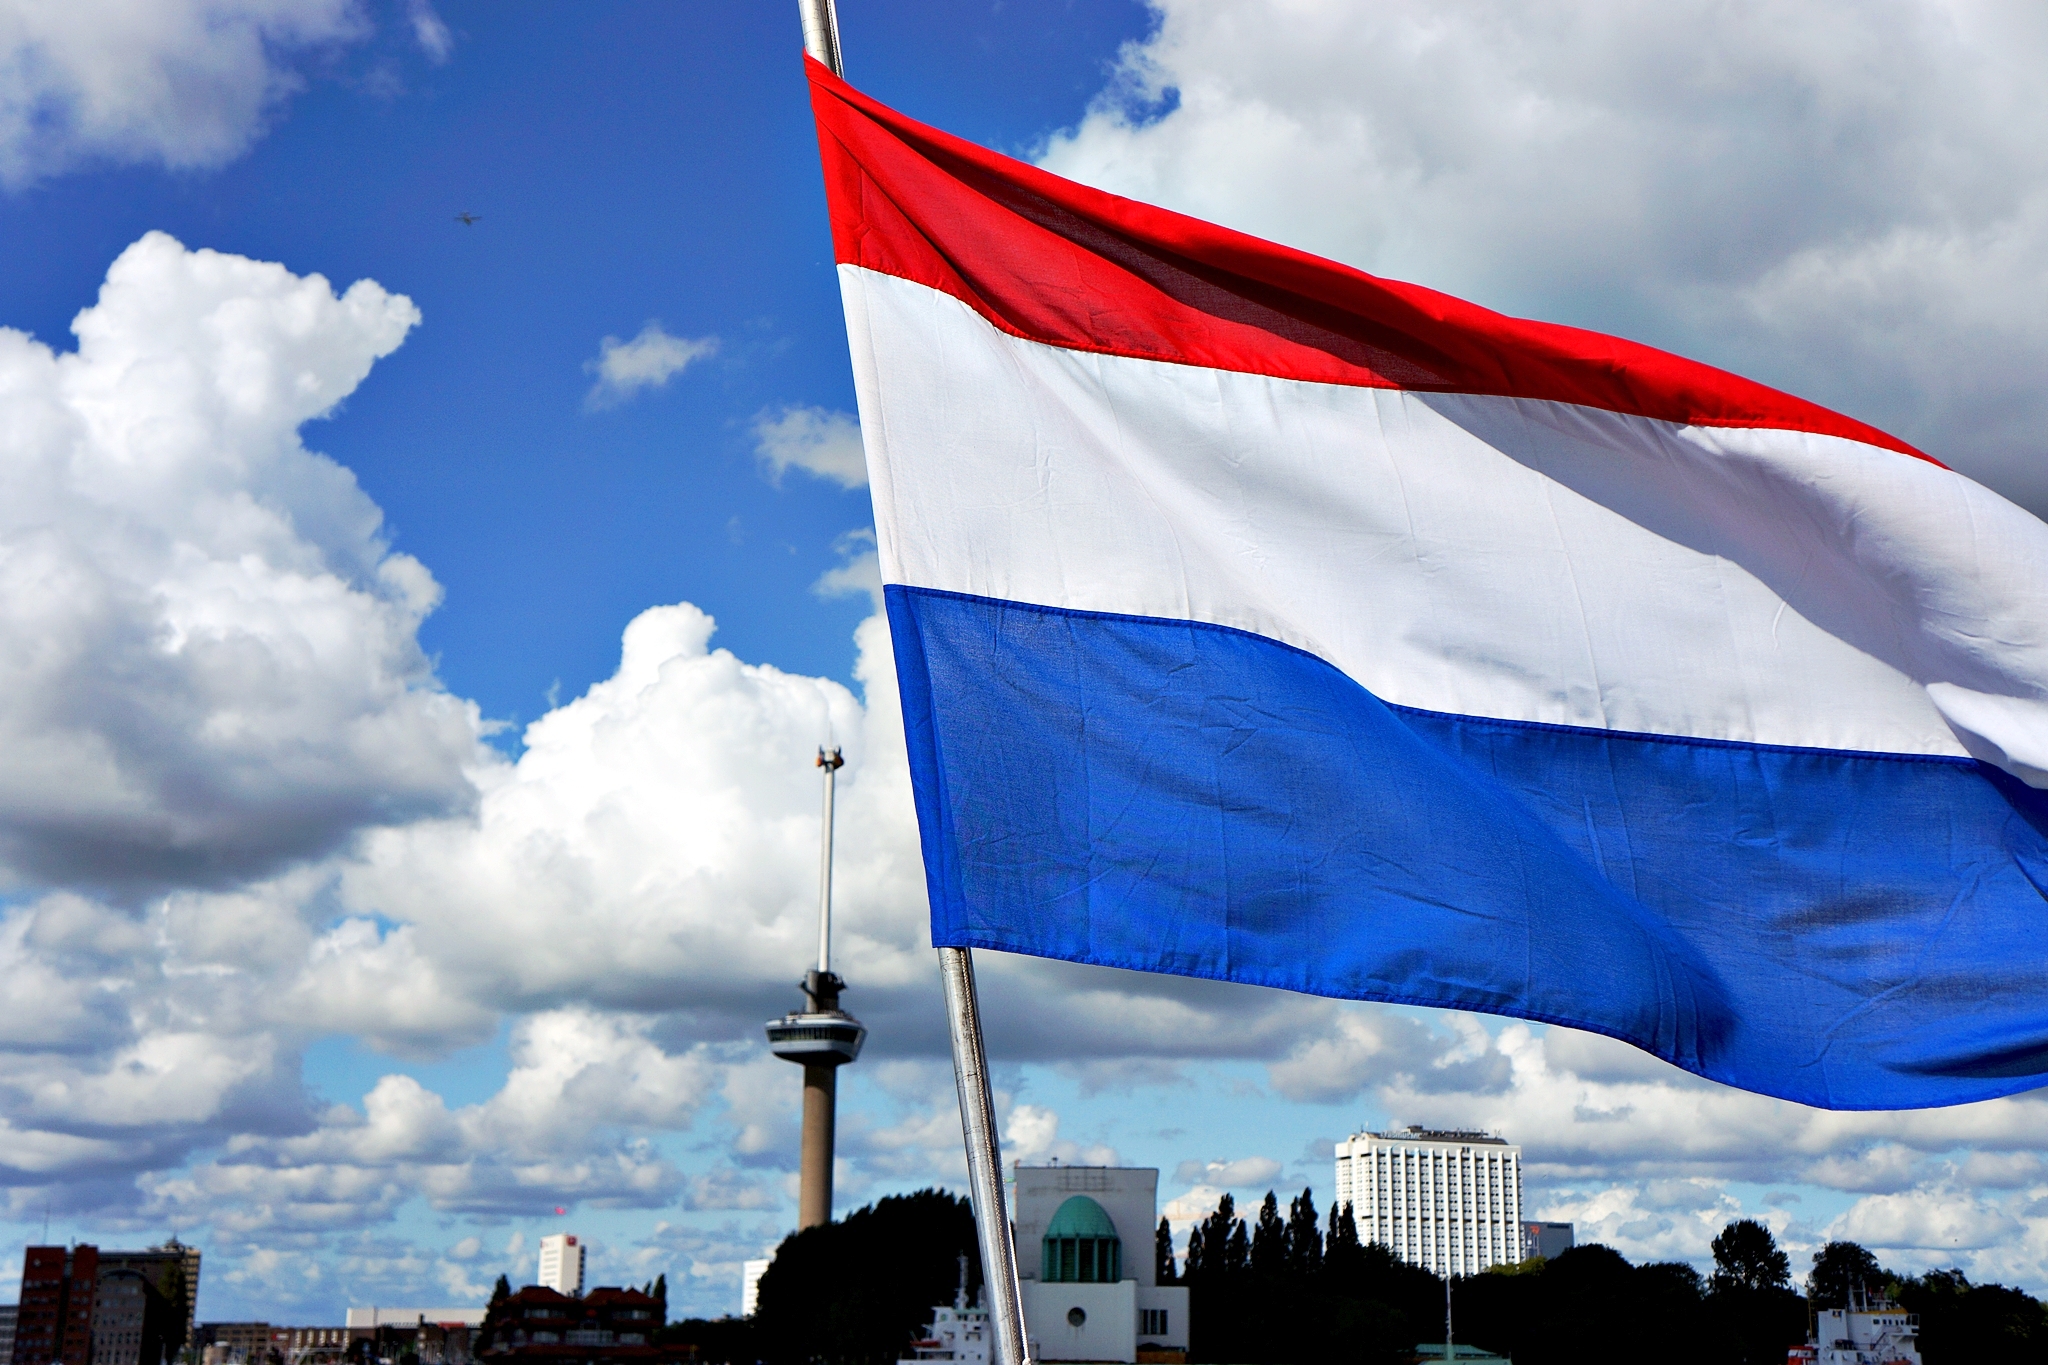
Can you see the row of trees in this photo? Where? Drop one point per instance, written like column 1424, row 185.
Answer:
column 1288, row 1288
column 1279, row 1289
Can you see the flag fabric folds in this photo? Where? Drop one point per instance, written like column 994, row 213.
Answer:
column 1262, row 620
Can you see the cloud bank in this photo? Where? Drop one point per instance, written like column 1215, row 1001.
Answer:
column 1847, row 200
column 209, row 654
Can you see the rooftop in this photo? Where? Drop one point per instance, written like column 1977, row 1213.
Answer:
column 1415, row 1132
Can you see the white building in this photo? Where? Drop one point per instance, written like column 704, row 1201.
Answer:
column 1448, row 1201
column 750, row 1285
column 1085, row 1256
column 561, row 1264
column 415, row 1317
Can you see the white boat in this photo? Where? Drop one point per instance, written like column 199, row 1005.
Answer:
column 957, row 1332
column 1867, row 1332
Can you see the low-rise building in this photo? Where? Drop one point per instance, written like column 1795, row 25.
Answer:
column 233, row 1343
column 437, row 1336
column 1085, row 1259
column 369, row 1319
column 312, row 1345
column 541, row 1326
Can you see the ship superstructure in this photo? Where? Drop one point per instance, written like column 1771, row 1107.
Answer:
column 957, row 1333
column 1867, row 1332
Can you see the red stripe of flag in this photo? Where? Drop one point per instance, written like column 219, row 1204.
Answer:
column 1057, row 262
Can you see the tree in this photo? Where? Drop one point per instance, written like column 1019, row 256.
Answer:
column 1198, row 1254
column 1162, row 1254
column 1962, row 1322
column 1343, row 1257
column 1673, row 1278
column 1269, row 1241
column 1237, row 1252
column 1304, row 1237
column 1746, row 1256
column 500, row 1291
column 859, row 1290
column 1224, row 1250
column 1842, row 1270
column 720, row 1341
column 1752, row 1303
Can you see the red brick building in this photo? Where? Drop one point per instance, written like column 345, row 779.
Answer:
column 607, row 1326
column 54, row 1323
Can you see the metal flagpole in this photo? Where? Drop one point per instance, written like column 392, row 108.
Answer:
column 821, row 33
column 1003, row 1298
column 1005, row 1301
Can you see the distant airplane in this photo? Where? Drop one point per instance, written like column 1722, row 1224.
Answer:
column 468, row 218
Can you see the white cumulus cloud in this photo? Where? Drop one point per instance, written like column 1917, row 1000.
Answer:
column 210, row 655
column 1846, row 198
column 648, row 361
column 655, row 847
column 818, row 441
column 1240, row 1174
column 183, row 83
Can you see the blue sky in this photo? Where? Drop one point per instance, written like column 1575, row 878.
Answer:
column 363, row 905
column 630, row 162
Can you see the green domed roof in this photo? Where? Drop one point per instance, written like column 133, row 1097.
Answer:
column 1080, row 1216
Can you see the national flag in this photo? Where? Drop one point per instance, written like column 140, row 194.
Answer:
column 1259, row 619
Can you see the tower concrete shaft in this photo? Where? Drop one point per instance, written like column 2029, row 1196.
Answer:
column 821, row 1102
column 821, row 1097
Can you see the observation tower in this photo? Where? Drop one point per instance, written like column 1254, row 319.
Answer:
column 821, row 1037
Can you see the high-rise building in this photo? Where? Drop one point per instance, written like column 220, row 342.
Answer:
column 171, row 1270
column 750, row 1284
column 1546, row 1239
column 84, row 1306
column 1450, row 1202
column 7, row 1312
column 561, row 1263
column 53, row 1320
column 132, row 1321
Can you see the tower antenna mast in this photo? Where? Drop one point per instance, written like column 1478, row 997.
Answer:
column 831, row 762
